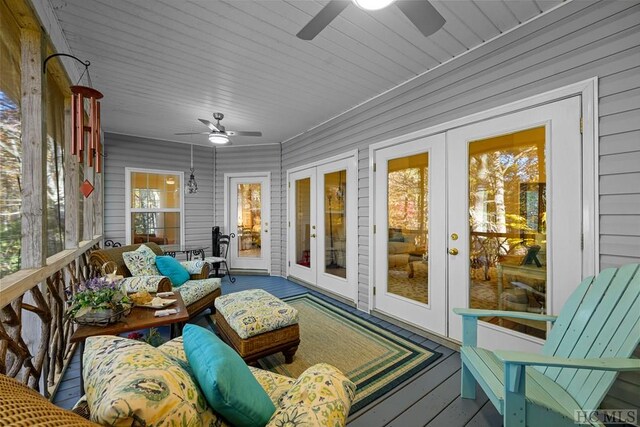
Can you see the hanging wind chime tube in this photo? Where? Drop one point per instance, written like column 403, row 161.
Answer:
column 89, row 130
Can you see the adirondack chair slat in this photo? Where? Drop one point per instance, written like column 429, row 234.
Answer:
column 619, row 328
column 601, row 383
column 600, row 320
column 564, row 402
column 541, row 391
column 557, row 333
column 580, row 318
column 487, row 378
column 604, row 314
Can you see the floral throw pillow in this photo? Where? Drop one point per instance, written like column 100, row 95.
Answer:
column 141, row 262
column 129, row 382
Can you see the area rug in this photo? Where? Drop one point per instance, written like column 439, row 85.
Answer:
column 375, row 359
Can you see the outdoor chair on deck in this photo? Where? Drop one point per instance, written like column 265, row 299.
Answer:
column 221, row 261
column 590, row 342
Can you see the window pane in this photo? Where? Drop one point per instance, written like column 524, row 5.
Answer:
column 55, row 166
column 507, row 219
column 162, row 228
column 303, row 222
column 335, row 190
column 11, row 147
column 408, row 214
column 155, row 191
column 249, row 220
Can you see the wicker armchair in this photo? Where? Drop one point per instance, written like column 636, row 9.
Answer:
column 114, row 255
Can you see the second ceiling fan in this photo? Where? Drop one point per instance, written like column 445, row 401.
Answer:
column 217, row 133
column 420, row 12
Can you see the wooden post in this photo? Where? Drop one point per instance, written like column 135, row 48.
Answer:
column 34, row 153
column 71, row 184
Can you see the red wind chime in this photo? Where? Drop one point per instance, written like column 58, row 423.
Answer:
column 84, row 129
column 90, row 127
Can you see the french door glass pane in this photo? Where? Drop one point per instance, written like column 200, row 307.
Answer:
column 162, row 228
column 303, row 222
column 507, row 220
column 335, row 190
column 249, row 220
column 408, row 214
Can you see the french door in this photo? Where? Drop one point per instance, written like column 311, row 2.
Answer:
column 409, row 213
column 488, row 216
column 248, row 217
column 323, row 226
column 515, row 219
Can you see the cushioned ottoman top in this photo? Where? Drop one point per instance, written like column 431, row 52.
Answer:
column 255, row 312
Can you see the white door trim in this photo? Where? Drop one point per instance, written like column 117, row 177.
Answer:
column 267, row 198
column 341, row 156
column 351, row 157
column 588, row 90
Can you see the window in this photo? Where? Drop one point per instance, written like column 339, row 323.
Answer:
column 11, row 145
column 155, row 208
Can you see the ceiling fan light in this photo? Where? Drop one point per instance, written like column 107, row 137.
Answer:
column 218, row 138
column 372, row 4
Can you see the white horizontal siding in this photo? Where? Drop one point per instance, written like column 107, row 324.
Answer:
column 577, row 41
column 127, row 151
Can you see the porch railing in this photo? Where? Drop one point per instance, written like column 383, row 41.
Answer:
column 34, row 332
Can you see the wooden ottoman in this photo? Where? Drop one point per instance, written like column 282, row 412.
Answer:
column 257, row 324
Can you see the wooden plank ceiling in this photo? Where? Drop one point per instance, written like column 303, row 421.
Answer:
column 162, row 64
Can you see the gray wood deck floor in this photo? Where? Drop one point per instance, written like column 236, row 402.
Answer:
column 430, row 398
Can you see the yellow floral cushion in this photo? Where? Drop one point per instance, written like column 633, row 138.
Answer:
column 321, row 396
column 141, row 262
column 141, row 283
column 254, row 312
column 193, row 290
column 274, row 384
column 129, row 381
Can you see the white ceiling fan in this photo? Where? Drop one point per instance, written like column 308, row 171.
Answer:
column 217, row 132
column 420, row 12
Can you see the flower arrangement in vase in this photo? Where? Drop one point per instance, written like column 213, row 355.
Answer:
column 98, row 301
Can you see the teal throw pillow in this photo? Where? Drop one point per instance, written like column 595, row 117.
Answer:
column 171, row 267
column 226, row 381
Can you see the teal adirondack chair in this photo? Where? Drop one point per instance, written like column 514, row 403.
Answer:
column 590, row 342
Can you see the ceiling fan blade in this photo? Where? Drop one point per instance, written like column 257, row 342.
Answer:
column 192, row 133
column 210, row 125
column 243, row 133
column 322, row 19
column 423, row 15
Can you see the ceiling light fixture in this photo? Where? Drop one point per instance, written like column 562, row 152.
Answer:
column 372, row 4
column 192, row 185
column 170, row 180
column 218, row 138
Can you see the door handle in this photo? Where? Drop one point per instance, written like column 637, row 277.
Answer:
column 453, row 251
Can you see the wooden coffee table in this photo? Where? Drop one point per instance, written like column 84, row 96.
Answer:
column 139, row 318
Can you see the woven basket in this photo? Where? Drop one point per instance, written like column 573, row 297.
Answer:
column 102, row 317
